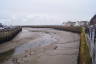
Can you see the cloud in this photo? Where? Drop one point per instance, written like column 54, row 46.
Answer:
column 66, row 9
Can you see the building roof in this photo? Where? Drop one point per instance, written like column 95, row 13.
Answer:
column 93, row 20
column 1, row 25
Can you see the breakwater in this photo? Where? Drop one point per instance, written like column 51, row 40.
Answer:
column 9, row 33
column 75, row 29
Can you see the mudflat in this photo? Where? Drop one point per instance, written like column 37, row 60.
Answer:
column 41, row 46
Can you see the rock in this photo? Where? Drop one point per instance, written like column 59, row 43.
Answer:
column 55, row 47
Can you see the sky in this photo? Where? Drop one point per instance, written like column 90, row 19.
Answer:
column 46, row 11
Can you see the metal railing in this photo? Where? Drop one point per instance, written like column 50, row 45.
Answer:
column 92, row 42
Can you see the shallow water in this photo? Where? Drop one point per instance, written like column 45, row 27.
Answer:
column 42, row 40
column 46, row 39
column 32, row 40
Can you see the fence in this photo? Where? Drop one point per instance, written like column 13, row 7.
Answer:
column 92, row 42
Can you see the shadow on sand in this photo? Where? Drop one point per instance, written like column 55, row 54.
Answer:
column 6, row 55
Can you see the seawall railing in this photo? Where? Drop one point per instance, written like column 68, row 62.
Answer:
column 92, row 42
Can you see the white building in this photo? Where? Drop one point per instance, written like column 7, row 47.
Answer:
column 82, row 23
column 69, row 23
column 77, row 23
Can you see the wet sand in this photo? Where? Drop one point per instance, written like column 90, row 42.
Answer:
column 42, row 46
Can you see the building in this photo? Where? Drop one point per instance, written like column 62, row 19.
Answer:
column 82, row 23
column 69, row 23
column 1, row 25
column 93, row 20
column 77, row 23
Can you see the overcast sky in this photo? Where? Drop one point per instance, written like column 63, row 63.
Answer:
column 64, row 9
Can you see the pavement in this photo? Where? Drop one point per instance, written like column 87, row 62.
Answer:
column 41, row 46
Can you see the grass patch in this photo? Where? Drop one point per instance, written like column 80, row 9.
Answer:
column 84, row 55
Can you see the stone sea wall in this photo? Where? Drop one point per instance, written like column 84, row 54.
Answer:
column 75, row 29
column 9, row 33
